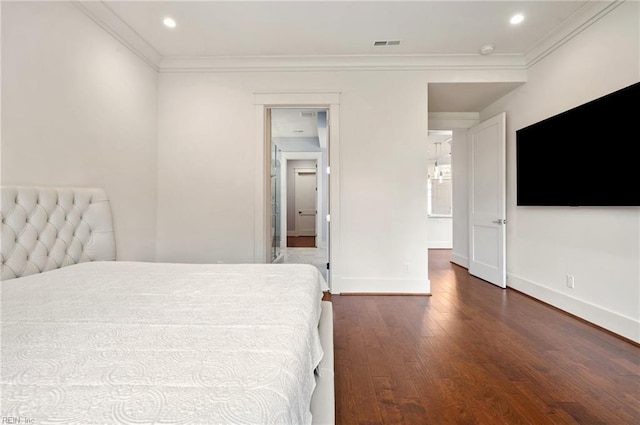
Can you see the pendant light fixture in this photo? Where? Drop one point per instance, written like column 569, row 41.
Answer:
column 437, row 172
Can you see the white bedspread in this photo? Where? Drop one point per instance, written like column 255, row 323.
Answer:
column 148, row 343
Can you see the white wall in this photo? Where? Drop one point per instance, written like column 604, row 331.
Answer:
column 205, row 169
column 80, row 109
column 599, row 246
column 440, row 232
column 206, row 198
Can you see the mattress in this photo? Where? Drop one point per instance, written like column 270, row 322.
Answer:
column 141, row 343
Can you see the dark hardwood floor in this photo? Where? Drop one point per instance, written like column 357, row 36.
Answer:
column 473, row 353
column 301, row 241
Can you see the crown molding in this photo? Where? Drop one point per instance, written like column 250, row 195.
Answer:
column 581, row 19
column 297, row 98
column 109, row 21
column 341, row 63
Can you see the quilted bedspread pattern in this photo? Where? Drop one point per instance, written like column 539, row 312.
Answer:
column 142, row 343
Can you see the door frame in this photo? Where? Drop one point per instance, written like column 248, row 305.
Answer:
column 295, row 156
column 463, row 122
column 262, row 208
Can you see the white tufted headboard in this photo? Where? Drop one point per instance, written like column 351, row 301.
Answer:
column 45, row 228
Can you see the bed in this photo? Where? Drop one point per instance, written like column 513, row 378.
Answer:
column 87, row 339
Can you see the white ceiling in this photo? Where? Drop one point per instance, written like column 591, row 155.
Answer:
column 320, row 28
column 466, row 97
column 237, row 33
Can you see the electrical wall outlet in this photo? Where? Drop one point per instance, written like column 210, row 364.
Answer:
column 570, row 281
column 405, row 267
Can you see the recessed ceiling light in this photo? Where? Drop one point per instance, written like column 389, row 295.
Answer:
column 169, row 22
column 517, row 18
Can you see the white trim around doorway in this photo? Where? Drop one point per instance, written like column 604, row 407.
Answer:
column 263, row 101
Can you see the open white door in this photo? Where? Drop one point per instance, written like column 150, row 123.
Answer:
column 487, row 205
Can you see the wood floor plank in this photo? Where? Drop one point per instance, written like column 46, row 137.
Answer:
column 473, row 353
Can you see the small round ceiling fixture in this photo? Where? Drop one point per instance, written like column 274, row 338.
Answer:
column 517, row 18
column 487, row 49
column 169, row 22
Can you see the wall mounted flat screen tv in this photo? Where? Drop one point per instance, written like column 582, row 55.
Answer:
column 586, row 156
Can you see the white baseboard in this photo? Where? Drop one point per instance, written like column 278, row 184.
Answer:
column 380, row 285
column 440, row 244
column 609, row 320
column 460, row 260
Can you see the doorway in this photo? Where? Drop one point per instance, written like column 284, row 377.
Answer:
column 300, row 135
column 478, row 166
column 439, row 189
column 264, row 102
column 305, row 209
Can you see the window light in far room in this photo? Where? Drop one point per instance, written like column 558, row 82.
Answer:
column 169, row 22
column 436, row 170
column 517, row 18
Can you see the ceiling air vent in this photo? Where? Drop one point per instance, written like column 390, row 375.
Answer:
column 307, row 114
column 387, row 43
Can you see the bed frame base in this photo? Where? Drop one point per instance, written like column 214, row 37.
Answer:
column 323, row 399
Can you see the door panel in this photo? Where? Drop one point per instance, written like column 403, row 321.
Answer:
column 487, row 205
column 305, row 202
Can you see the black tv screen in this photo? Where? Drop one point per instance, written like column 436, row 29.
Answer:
column 586, row 156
